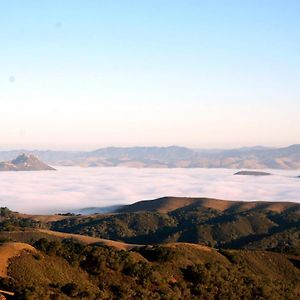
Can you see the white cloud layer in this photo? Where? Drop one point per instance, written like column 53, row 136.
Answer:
column 71, row 188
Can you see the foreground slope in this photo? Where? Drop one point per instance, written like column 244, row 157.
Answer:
column 68, row 270
column 64, row 265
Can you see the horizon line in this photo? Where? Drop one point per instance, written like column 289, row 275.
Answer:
column 42, row 149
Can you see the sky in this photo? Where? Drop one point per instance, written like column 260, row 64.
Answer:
column 77, row 74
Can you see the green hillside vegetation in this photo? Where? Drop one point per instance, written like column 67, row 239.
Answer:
column 67, row 269
column 221, row 224
column 194, row 248
column 216, row 223
column 10, row 221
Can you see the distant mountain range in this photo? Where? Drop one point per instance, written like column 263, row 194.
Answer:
column 171, row 157
column 24, row 162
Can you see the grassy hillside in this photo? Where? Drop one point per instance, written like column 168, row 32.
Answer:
column 31, row 235
column 66, row 270
column 169, row 204
column 96, row 256
column 217, row 223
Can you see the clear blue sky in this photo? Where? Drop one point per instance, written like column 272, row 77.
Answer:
column 91, row 73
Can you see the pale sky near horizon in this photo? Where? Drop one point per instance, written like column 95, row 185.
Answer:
column 80, row 74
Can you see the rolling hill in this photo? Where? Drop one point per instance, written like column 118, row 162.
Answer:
column 169, row 204
column 213, row 222
column 193, row 248
column 218, row 223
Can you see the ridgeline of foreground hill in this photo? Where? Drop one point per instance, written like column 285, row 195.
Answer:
column 169, row 204
column 71, row 270
column 217, row 223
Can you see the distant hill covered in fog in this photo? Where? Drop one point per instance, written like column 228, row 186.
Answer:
column 171, row 157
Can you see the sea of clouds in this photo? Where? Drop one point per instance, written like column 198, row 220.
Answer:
column 73, row 188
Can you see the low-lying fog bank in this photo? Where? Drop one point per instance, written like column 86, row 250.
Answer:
column 72, row 188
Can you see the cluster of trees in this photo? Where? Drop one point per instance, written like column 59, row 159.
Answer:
column 221, row 229
column 257, row 228
column 10, row 221
column 151, row 272
column 64, row 269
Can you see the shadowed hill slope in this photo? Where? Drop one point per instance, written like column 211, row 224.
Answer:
column 213, row 222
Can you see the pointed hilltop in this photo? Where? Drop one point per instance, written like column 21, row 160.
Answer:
column 25, row 162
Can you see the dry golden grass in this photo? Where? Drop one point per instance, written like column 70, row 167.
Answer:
column 282, row 206
column 169, row 204
column 90, row 240
column 10, row 250
column 43, row 218
column 195, row 246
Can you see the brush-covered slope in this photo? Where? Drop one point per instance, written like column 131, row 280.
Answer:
column 69, row 270
column 10, row 250
column 213, row 222
column 60, row 265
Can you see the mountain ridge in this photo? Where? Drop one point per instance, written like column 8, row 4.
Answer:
column 257, row 157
